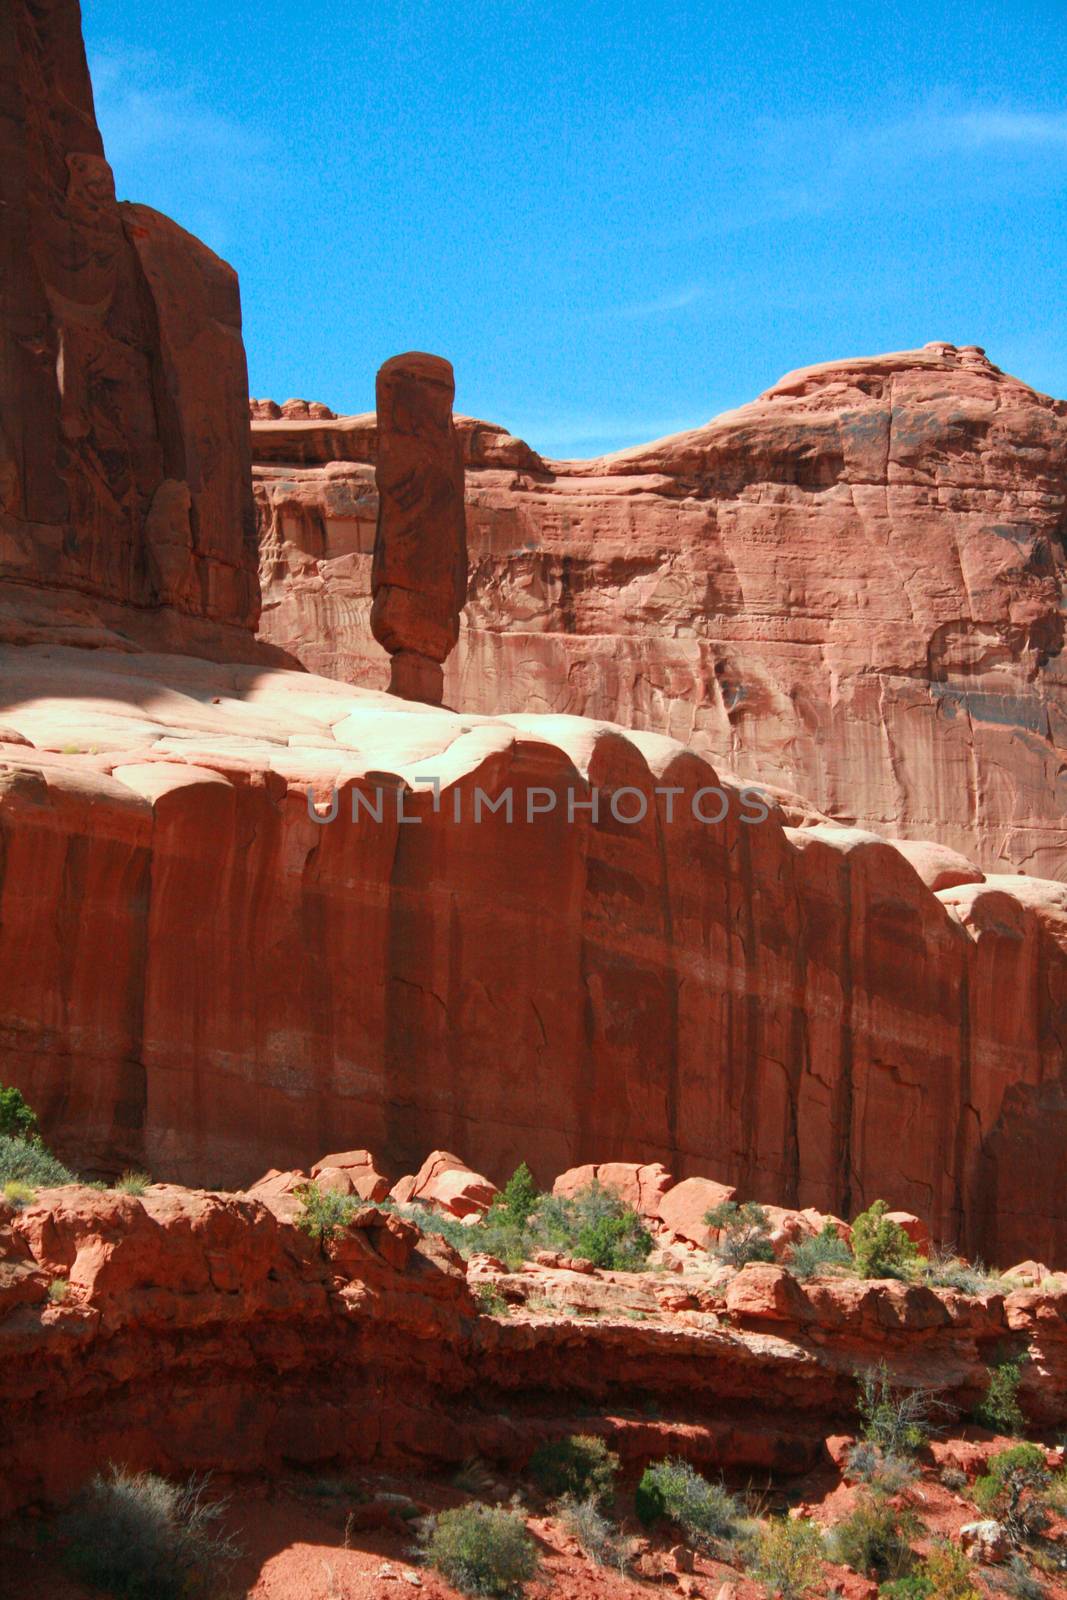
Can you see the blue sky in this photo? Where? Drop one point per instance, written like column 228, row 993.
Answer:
column 615, row 220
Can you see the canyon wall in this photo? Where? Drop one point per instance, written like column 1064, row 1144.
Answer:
column 222, row 982
column 125, row 504
column 852, row 588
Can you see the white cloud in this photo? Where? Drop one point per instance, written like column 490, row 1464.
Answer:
column 662, row 305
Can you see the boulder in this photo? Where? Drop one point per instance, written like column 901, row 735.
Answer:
column 366, row 1180
column 914, row 1227
column 446, row 1182
column 764, row 1293
column 986, row 1542
column 640, row 1186
column 682, row 1207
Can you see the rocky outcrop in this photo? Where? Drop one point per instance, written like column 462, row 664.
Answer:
column 419, row 570
column 186, row 1330
column 225, row 981
column 852, row 588
column 125, row 504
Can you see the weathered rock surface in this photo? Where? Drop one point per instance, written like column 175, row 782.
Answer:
column 207, row 1330
column 852, row 587
column 223, row 982
column 125, row 504
column 419, row 570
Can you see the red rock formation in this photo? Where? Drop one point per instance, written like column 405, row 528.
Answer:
column 852, row 587
column 419, row 571
column 124, row 458
column 221, row 983
column 207, row 1329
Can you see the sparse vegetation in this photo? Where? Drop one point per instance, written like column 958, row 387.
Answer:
column 138, row 1537
column 888, row 1473
column 943, row 1270
column 58, row 1291
column 132, row 1183
column 881, row 1248
column 706, row 1512
column 1014, row 1491
column 27, row 1161
column 826, row 1251
column 896, row 1420
column 594, row 1224
column 19, row 1195
column 581, row 1467
column 876, row 1538
column 600, row 1539
column 490, row 1301
column 744, row 1233
column 787, row 1557
column 1020, row 1582
column 945, row 1574
column 953, row 1478
column 999, row 1408
column 481, row 1549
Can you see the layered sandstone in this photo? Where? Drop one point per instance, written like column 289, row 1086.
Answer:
column 207, row 1330
column 125, row 505
column 852, row 588
column 224, row 981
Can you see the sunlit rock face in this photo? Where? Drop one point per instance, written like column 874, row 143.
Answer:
column 852, row 587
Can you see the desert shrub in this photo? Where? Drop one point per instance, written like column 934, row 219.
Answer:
column 1056, row 1494
column 27, row 1161
column 945, row 1574
column 999, row 1408
column 58, row 1291
column 889, row 1473
column 808, row 1257
column 896, row 1420
column 943, row 1270
column 594, row 1224
column 138, row 1537
column 17, row 1120
column 744, row 1233
column 876, row 1538
column 481, row 1549
column 19, row 1195
column 704, row 1511
column 787, row 1557
column 325, row 1214
column 953, row 1478
column 1014, row 1491
column 601, row 1540
column 490, row 1301
column 880, row 1248
column 132, row 1183
column 580, row 1466
column 1020, row 1583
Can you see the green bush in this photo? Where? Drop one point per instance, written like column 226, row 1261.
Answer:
column 581, row 1466
column 1014, row 1491
column 880, row 1248
column 26, row 1161
column 999, row 1408
column 945, row 1574
column 945, row 1271
column 787, row 1557
column 896, row 1420
column 704, row 1511
column 138, row 1537
column 490, row 1301
column 599, row 1538
column 518, row 1201
column 17, row 1120
column 481, row 1550
column 809, row 1257
column 594, row 1224
column 744, row 1233
column 324, row 1213
column 876, row 1538
column 887, row 1473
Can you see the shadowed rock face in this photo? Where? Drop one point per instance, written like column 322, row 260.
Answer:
column 419, row 571
column 123, row 387
column 853, row 587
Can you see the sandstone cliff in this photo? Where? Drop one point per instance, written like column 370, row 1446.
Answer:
column 852, row 587
column 125, row 506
